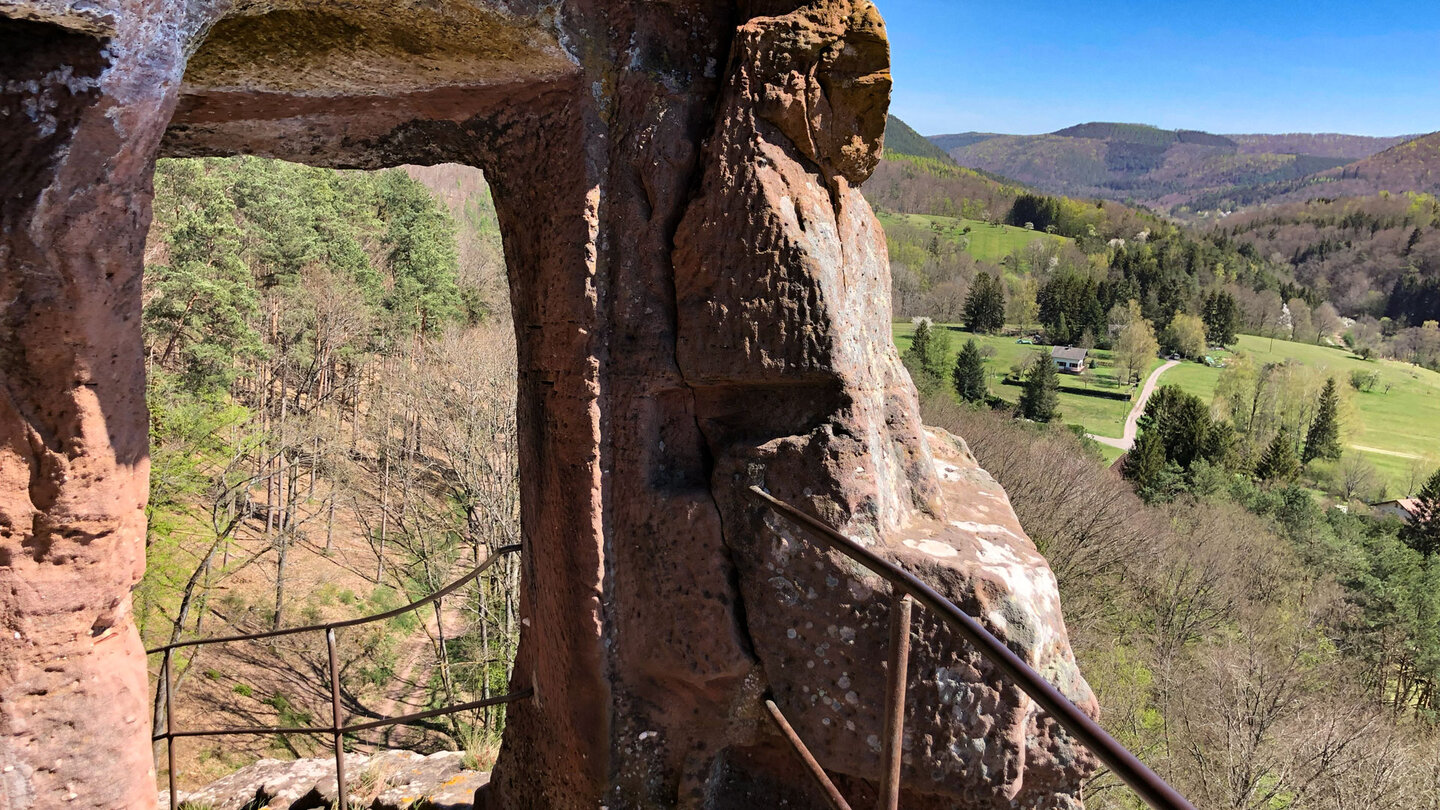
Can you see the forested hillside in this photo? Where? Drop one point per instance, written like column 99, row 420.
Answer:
column 332, row 403
column 1183, row 172
column 1354, row 251
column 1085, row 256
column 1319, row 144
column 1413, row 165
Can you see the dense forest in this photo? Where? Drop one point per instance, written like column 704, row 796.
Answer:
column 332, row 410
column 1352, row 251
column 1405, row 166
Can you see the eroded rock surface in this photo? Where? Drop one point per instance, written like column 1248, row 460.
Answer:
column 389, row 780
column 700, row 299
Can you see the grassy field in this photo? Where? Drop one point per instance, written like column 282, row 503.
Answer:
column 1103, row 417
column 1399, row 419
column 1397, row 422
column 988, row 243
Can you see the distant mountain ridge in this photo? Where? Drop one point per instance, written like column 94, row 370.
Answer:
column 1176, row 171
column 1318, row 144
column 1143, row 134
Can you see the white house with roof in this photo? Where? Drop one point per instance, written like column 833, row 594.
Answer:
column 1069, row 359
column 1404, row 508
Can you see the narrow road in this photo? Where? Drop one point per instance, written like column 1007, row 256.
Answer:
column 1132, row 422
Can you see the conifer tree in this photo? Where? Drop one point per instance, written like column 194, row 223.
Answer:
column 926, row 356
column 1145, row 463
column 1040, row 401
column 1222, row 318
column 919, row 344
column 968, row 375
column 1323, row 440
column 1422, row 533
column 985, row 305
column 1279, row 462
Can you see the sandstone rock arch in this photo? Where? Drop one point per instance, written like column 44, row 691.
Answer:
column 699, row 294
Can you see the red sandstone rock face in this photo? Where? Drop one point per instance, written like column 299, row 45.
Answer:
column 783, row 283
column 83, row 102
column 699, row 294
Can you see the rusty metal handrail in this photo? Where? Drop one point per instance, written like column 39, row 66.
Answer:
column 1155, row 791
column 337, row 729
column 389, row 614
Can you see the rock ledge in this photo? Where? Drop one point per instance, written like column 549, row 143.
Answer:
column 390, row 780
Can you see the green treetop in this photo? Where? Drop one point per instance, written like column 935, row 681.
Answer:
column 1222, row 318
column 926, row 356
column 1145, row 463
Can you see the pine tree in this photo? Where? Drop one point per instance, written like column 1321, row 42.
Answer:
column 969, row 374
column 1222, row 318
column 985, row 305
column 423, row 258
column 926, row 356
column 1323, row 440
column 1422, row 533
column 1145, row 463
column 1040, row 401
column 919, row 344
column 1181, row 422
column 1279, row 462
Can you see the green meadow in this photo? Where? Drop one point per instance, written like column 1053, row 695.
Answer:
column 1101, row 416
column 1398, row 421
column 1393, row 425
column 986, row 242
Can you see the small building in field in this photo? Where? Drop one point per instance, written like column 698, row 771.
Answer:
column 1069, row 359
column 1404, row 508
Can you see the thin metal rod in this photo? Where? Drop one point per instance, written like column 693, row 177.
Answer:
column 241, row 731
column 389, row 614
column 385, row 721
column 463, row 707
column 831, row 792
column 170, row 730
column 342, row 799
column 1145, row 782
column 891, row 747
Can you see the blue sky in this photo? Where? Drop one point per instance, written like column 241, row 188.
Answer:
column 1365, row 67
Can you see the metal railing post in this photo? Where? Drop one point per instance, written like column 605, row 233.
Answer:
column 170, row 729
column 1153, row 790
column 337, row 730
column 811, row 764
column 892, row 744
column 342, row 799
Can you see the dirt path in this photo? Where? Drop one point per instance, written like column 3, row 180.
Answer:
column 410, row 690
column 1132, row 422
column 1395, row 453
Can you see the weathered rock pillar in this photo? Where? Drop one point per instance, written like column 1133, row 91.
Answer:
column 84, row 97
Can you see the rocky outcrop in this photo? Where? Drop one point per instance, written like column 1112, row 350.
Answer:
column 389, row 780
column 699, row 294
